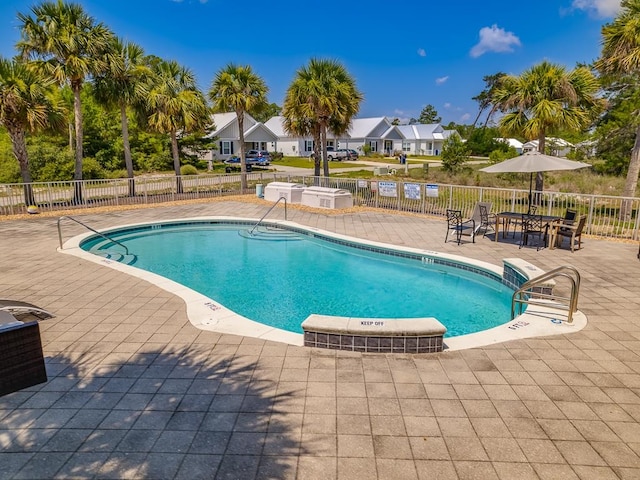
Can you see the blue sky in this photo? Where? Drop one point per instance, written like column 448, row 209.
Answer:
column 403, row 55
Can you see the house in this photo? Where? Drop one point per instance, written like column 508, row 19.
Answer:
column 423, row 139
column 555, row 146
column 512, row 142
column 256, row 135
column 376, row 132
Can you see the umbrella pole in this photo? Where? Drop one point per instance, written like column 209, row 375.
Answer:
column 530, row 190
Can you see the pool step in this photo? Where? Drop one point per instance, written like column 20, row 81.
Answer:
column 117, row 257
column 269, row 233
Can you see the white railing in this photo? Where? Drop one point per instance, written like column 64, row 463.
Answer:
column 603, row 212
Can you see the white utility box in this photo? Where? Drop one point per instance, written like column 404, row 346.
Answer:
column 324, row 197
column 380, row 171
column 277, row 190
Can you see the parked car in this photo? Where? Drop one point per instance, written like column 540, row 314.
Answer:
column 354, row 154
column 258, row 157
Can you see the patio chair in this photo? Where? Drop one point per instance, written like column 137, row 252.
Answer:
column 16, row 307
column 21, row 358
column 533, row 226
column 460, row 227
column 487, row 220
column 515, row 223
column 572, row 231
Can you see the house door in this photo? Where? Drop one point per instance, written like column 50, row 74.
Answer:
column 388, row 147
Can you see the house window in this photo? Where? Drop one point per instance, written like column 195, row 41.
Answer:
column 430, row 144
column 406, row 146
column 374, row 145
column 308, row 145
column 226, row 147
column 330, row 143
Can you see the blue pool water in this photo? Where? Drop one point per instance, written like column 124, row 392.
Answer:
column 280, row 282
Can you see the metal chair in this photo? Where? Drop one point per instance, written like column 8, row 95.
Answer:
column 487, row 220
column 460, row 227
column 533, row 226
column 518, row 222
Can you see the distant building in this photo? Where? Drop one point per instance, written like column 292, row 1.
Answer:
column 556, row 146
column 512, row 142
column 378, row 133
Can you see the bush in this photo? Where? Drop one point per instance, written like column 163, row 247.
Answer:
column 92, row 170
column 454, row 154
column 188, row 170
column 500, row 155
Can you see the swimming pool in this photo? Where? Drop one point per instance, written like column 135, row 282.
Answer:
column 279, row 278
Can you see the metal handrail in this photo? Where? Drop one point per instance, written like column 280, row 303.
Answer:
column 269, row 211
column 565, row 271
column 126, row 250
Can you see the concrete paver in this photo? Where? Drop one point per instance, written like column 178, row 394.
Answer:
column 135, row 391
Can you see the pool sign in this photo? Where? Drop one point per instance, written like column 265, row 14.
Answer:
column 412, row 191
column 432, row 190
column 388, row 189
column 362, row 184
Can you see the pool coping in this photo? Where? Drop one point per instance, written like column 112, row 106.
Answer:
column 207, row 314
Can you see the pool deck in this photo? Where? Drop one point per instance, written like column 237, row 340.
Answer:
column 135, row 391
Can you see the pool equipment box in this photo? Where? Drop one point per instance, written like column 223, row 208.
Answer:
column 277, row 190
column 324, row 197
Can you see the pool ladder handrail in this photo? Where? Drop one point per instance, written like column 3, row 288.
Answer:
column 126, row 250
column 269, row 211
column 565, row 271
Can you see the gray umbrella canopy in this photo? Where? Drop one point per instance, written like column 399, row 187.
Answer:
column 531, row 162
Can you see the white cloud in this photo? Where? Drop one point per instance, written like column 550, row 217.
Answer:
column 441, row 80
column 601, row 8
column 447, row 105
column 465, row 117
column 398, row 112
column 422, row 52
column 494, row 39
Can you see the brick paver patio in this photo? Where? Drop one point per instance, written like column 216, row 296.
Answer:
column 135, row 391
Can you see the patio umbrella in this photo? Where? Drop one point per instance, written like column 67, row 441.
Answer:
column 533, row 162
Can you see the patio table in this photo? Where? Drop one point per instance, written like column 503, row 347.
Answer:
column 504, row 217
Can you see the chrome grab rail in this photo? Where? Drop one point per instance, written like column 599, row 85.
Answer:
column 269, row 211
column 565, row 271
column 126, row 250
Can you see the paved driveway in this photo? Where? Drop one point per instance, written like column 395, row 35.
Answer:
column 135, row 391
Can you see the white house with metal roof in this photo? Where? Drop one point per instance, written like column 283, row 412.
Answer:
column 512, row 142
column 557, row 146
column 377, row 132
column 256, row 135
column 423, row 139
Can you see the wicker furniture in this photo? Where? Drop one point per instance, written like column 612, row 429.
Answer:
column 21, row 358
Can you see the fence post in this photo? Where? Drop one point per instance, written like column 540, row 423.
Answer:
column 590, row 215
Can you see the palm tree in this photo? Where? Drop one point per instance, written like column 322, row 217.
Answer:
column 322, row 96
column 174, row 104
column 544, row 99
column 122, row 85
column 26, row 104
column 238, row 88
column 66, row 43
column 621, row 56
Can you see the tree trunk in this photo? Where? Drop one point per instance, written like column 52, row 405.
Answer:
column 70, row 137
column 631, row 182
column 124, row 121
column 323, row 139
column 243, row 160
column 176, row 160
column 20, row 152
column 316, row 157
column 77, row 112
column 540, row 175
